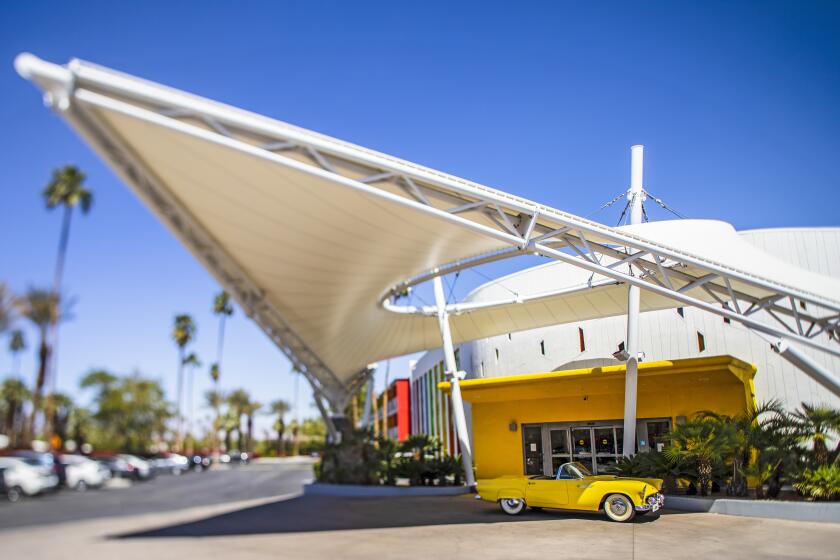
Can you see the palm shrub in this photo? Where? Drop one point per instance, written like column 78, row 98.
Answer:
column 814, row 427
column 748, row 432
column 821, row 483
column 703, row 444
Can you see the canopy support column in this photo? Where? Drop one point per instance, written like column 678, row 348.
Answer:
column 333, row 435
column 631, row 378
column 454, row 376
column 368, row 413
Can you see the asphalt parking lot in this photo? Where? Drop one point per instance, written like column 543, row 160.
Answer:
column 249, row 513
column 165, row 493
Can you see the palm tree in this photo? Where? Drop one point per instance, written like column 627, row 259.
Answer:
column 816, row 425
column 65, row 189
column 250, row 410
column 14, row 394
column 238, row 401
column 192, row 362
column 60, row 407
column 280, row 408
column 214, row 399
column 183, row 333
column 17, row 344
column 41, row 308
column 223, row 308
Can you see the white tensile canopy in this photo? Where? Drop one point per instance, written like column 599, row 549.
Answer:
column 316, row 238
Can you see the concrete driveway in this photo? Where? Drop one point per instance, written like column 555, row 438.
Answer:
column 291, row 526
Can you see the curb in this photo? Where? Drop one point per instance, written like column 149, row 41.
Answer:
column 360, row 491
column 822, row 512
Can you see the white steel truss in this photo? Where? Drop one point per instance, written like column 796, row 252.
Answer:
column 522, row 226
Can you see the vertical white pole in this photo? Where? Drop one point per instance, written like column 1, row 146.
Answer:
column 455, row 377
column 631, row 377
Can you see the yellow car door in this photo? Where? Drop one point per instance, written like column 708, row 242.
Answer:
column 546, row 492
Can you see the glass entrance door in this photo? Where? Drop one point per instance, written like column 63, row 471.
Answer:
column 532, row 438
column 561, row 451
column 582, row 446
column 606, row 453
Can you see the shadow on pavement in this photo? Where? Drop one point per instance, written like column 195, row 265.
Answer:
column 316, row 513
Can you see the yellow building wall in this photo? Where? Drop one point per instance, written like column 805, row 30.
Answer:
column 498, row 450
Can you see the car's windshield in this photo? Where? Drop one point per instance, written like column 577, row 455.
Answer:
column 574, row 470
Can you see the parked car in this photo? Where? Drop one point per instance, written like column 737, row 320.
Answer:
column 83, row 473
column 141, row 468
column 27, row 476
column 234, row 456
column 169, row 463
column 12, row 493
column 575, row 488
column 47, row 460
column 119, row 468
column 198, row 462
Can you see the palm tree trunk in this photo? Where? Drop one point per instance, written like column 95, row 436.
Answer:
column 217, row 424
column 43, row 358
column 189, row 399
column 250, row 425
column 220, row 341
column 178, row 439
column 11, row 414
column 281, row 430
column 61, row 257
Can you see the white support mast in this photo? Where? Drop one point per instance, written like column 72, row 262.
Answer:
column 454, row 377
column 636, row 199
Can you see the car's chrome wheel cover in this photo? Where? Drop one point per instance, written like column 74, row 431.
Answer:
column 618, row 506
column 513, row 505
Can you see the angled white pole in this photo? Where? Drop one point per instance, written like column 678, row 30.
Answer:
column 369, row 396
column 454, row 377
column 631, row 378
column 804, row 362
column 333, row 435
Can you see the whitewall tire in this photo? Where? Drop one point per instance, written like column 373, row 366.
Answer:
column 512, row 506
column 618, row 507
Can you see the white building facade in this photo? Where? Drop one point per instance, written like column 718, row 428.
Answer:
column 682, row 332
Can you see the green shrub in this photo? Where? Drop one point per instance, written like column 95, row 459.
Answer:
column 361, row 459
column 821, row 483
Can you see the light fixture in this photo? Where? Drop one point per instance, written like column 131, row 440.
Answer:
column 512, row 426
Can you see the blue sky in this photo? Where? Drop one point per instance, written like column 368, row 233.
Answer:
column 736, row 103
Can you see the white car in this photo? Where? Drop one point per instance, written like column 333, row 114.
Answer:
column 142, row 468
column 28, row 475
column 82, row 473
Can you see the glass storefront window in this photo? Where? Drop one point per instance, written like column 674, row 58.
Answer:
column 559, row 442
column 658, row 433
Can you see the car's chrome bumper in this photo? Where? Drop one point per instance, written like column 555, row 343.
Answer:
column 654, row 502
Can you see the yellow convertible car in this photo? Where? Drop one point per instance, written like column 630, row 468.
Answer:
column 575, row 488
